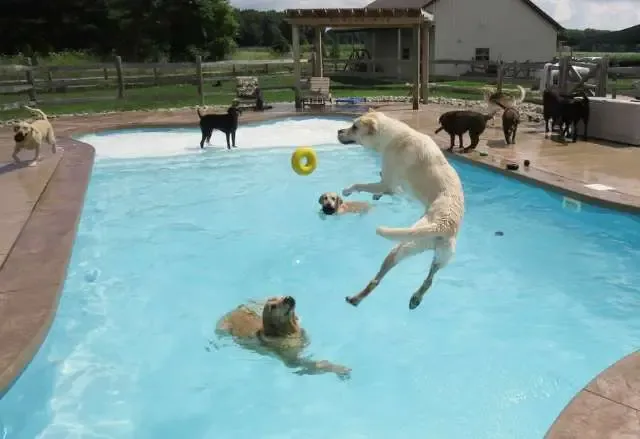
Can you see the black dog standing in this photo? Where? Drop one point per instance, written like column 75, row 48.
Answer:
column 227, row 123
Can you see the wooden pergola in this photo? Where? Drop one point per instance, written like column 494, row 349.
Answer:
column 396, row 18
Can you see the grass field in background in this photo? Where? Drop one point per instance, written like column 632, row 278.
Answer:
column 174, row 96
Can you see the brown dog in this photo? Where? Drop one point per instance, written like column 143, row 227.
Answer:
column 458, row 122
column 510, row 122
column 333, row 204
column 275, row 330
column 31, row 135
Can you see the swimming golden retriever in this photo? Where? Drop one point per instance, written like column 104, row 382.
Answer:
column 275, row 330
column 413, row 161
column 333, row 204
column 31, row 135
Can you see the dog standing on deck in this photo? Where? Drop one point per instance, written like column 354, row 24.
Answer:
column 510, row 122
column 226, row 122
column 458, row 122
column 413, row 160
column 30, row 136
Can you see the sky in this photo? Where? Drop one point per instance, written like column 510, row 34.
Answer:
column 572, row 14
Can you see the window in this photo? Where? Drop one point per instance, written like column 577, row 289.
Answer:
column 482, row 54
column 406, row 54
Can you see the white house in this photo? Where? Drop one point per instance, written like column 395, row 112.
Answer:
column 511, row 30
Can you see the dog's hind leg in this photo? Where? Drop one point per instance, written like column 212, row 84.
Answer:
column 461, row 142
column 397, row 254
column 51, row 139
column 513, row 134
column 441, row 257
column 453, row 141
column 475, row 139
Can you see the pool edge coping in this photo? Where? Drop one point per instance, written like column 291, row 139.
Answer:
column 33, row 273
column 78, row 159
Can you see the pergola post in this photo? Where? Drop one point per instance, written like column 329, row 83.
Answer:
column 399, row 41
column 295, row 40
column 424, row 79
column 319, row 68
column 416, row 77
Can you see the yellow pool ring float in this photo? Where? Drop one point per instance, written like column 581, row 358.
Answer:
column 304, row 160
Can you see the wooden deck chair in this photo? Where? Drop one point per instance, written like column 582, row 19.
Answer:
column 246, row 91
column 315, row 92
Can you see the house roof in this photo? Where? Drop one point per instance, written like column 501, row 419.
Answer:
column 425, row 3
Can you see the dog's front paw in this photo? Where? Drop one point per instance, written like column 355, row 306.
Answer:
column 347, row 192
column 376, row 197
column 352, row 300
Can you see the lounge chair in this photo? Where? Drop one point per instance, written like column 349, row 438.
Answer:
column 247, row 88
column 315, row 92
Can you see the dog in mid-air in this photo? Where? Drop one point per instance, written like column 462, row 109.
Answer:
column 225, row 122
column 31, row 136
column 412, row 160
column 497, row 100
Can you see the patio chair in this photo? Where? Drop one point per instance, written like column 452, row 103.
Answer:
column 247, row 89
column 315, row 92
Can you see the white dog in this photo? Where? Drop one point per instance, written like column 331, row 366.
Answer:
column 31, row 135
column 411, row 160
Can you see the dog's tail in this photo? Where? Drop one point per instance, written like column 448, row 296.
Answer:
column 523, row 95
column 200, row 115
column 439, row 129
column 410, row 233
column 37, row 111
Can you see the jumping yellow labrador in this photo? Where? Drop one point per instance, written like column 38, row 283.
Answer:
column 31, row 135
column 275, row 330
column 413, row 161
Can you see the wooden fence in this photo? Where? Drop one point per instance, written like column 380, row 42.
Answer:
column 597, row 78
column 35, row 81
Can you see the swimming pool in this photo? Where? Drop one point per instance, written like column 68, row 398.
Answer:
column 172, row 237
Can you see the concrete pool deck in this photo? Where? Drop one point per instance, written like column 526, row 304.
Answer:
column 40, row 208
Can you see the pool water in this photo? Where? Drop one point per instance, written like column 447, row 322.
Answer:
column 510, row 331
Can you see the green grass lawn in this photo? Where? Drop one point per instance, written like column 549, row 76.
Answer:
column 175, row 96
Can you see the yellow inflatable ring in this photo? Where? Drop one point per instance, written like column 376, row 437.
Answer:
column 304, row 160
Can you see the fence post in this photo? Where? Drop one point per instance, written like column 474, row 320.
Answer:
column 120, row 77
column 200, row 79
column 603, row 75
column 500, row 75
column 563, row 74
column 30, row 80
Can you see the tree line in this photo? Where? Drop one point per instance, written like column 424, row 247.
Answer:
column 178, row 30
column 594, row 40
column 141, row 30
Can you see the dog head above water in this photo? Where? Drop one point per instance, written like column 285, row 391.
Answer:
column 279, row 316
column 365, row 130
column 330, row 202
column 21, row 131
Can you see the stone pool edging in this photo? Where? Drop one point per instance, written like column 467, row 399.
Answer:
column 33, row 274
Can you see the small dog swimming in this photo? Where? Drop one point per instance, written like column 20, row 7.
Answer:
column 333, row 204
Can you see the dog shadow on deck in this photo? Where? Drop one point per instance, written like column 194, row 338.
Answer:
column 12, row 166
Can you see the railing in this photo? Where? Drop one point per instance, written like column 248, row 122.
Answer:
column 35, row 81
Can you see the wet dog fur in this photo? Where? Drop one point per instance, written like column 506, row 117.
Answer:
column 333, row 204
column 413, row 161
column 273, row 328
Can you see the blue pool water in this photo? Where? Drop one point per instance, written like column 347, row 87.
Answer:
column 167, row 244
